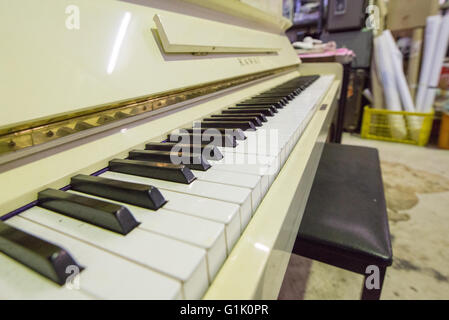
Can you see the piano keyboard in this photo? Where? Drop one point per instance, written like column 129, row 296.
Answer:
column 150, row 229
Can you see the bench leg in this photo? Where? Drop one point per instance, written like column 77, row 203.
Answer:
column 374, row 294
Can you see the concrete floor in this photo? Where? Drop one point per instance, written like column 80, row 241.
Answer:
column 416, row 182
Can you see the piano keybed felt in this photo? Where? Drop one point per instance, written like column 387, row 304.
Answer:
column 150, row 228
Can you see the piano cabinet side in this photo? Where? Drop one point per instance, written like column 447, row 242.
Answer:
column 255, row 268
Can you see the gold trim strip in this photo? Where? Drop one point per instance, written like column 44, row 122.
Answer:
column 37, row 132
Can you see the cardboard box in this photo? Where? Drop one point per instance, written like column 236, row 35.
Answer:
column 409, row 14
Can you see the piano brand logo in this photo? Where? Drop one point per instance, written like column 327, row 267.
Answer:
column 249, row 61
column 72, row 22
column 73, row 280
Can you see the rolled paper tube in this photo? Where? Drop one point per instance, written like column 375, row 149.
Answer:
column 415, row 58
column 396, row 122
column 401, row 81
column 437, row 63
column 430, row 42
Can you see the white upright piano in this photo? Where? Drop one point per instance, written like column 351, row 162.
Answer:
column 100, row 99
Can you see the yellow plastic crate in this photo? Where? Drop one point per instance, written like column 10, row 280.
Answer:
column 381, row 124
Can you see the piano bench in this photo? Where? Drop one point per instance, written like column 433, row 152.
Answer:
column 345, row 223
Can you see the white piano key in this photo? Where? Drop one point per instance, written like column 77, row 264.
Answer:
column 174, row 258
column 214, row 210
column 252, row 182
column 238, row 195
column 257, row 142
column 206, row 234
column 262, row 172
column 106, row 276
column 17, row 282
column 289, row 122
column 256, row 163
column 295, row 115
column 267, row 167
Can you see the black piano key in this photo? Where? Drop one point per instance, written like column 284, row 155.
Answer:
column 266, row 111
column 47, row 259
column 97, row 212
column 194, row 161
column 294, row 92
column 243, row 125
column 287, row 96
column 257, row 102
column 283, row 89
column 281, row 100
column 155, row 170
column 295, row 82
column 270, row 97
column 262, row 106
column 236, row 132
column 259, row 116
column 219, row 140
column 278, row 98
column 311, row 77
column 141, row 195
column 294, row 87
column 268, row 101
column 291, row 85
column 277, row 90
column 256, row 122
column 209, row 151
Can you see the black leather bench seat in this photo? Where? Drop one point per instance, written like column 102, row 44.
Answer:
column 345, row 222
